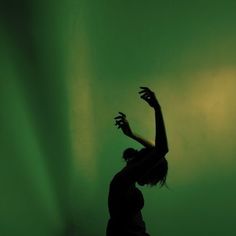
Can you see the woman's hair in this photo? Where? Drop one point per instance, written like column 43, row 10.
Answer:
column 157, row 174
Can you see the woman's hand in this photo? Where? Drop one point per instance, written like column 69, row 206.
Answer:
column 123, row 123
column 149, row 96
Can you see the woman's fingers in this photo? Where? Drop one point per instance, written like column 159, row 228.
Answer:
column 146, row 97
column 118, row 117
column 146, row 88
column 120, row 120
column 122, row 114
column 149, row 96
column 118, row 123
column 146, row 94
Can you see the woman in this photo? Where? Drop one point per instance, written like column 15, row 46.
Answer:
column 147, row 166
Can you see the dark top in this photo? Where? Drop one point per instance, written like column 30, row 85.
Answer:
column 125, row 200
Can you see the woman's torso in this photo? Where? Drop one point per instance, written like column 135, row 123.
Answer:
column 125, row 204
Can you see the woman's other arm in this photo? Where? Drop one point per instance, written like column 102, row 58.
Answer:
column 123, row 123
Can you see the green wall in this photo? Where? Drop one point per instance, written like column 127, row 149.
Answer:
column 69, row 66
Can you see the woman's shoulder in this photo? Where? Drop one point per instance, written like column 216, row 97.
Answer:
column 120, row 180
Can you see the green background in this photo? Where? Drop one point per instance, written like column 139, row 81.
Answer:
column 68, row 67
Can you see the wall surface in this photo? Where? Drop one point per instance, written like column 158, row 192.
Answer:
column 68, row 67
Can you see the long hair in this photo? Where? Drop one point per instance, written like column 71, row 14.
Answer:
column 157, row 174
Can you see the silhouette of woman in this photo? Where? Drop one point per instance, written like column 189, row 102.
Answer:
column 147, row 166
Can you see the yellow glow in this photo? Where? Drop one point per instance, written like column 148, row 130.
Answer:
column 82, row 121
column 200, row 123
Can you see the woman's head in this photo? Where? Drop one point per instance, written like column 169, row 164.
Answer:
column 129, row 154
column 157, row 173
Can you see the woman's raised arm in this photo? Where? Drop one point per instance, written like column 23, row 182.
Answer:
column 161, row 139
